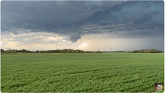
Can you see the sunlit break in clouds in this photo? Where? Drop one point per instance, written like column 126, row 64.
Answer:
column 86, row 25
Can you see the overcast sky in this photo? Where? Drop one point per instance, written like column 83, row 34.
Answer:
column 87, row 25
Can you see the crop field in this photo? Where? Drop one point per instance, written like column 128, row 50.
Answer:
column 81, row 72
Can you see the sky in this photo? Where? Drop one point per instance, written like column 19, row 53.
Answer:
column 85, row 25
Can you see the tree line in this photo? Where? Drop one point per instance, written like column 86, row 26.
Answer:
column 147, row 51
column 48, row 51
column 75, row 51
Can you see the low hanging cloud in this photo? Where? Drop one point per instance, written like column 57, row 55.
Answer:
column 72, row 19
column 74, row 37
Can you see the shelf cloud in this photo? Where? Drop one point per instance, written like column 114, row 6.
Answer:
column 74, row 19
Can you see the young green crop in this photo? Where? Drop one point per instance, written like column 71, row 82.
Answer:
column 84, row 72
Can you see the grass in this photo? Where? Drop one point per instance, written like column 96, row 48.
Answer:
column 102, row 72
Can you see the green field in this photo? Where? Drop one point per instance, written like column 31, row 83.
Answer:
column 84, row 72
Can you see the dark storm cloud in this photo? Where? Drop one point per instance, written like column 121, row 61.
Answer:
column 74, row 19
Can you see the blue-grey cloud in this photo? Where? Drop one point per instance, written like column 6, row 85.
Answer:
column 74, row 19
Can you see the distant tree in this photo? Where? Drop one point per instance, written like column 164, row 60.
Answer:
column 27, row 51
column 2, row 51
column 147, row 51
column 159, row 51
column 153, row 51
column 135, row 51
column 23, row 50
column 13, row 51
column 57, row 51
column 142, row 51
column 98, row 51
column 37, row 51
